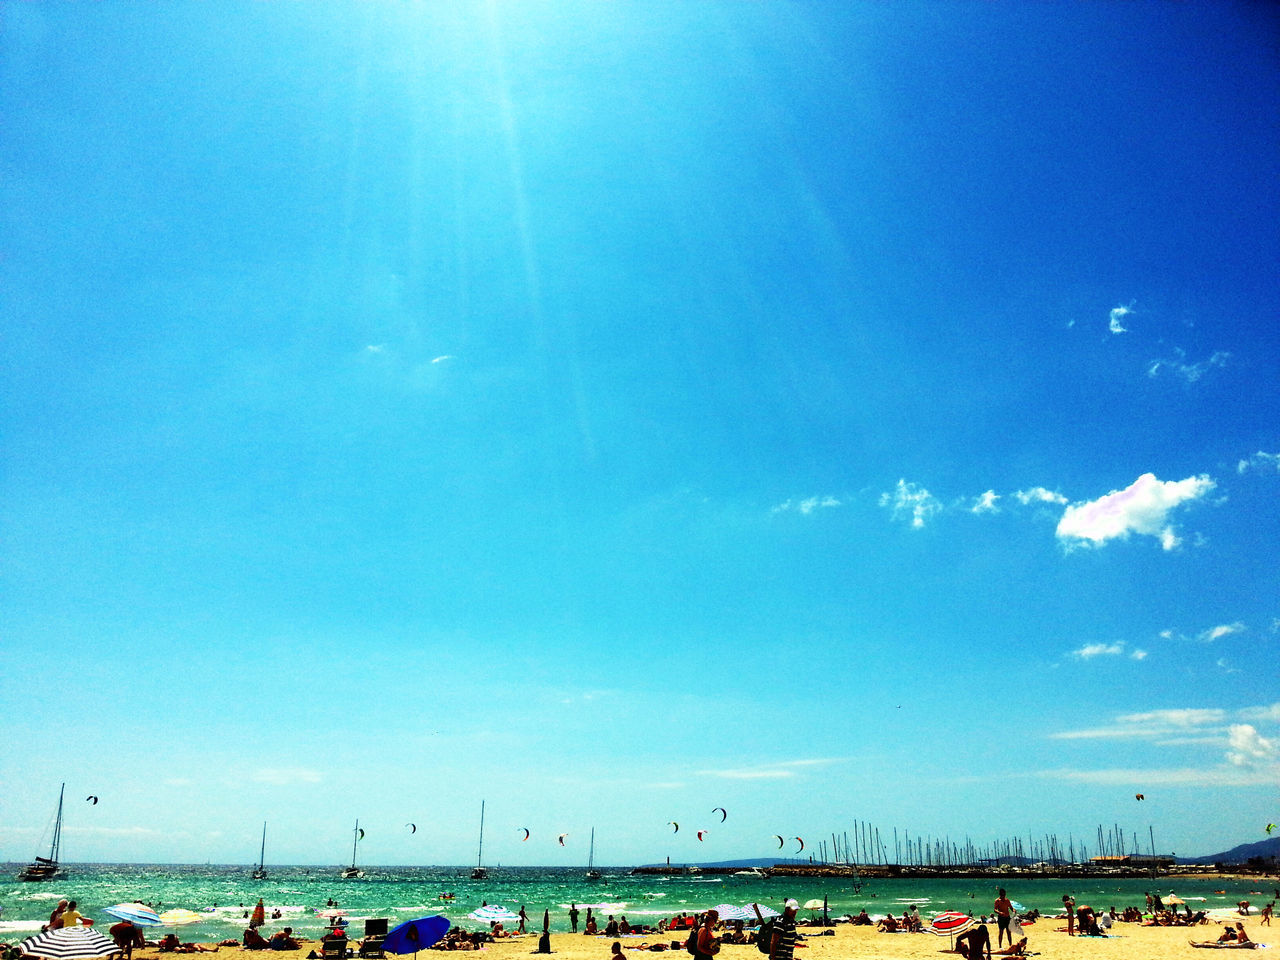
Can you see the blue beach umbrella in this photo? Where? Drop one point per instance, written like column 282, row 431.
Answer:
column 136, row 913
column 414, row 935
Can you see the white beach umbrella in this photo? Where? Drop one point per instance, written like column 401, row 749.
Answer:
column 729, row 912
column 494, row 912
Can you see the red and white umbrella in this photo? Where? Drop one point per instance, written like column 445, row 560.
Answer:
column 949, row 923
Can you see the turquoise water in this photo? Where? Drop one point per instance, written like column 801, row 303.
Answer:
column 224, row 893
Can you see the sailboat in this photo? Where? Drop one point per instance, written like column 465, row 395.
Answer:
column 480, row 873
column 46, row 868
column 592, row 872
column 261, row 872
column 353, row 872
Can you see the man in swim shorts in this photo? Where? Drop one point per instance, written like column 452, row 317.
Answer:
column 1004, row 912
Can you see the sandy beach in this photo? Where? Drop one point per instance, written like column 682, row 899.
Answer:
column 1130, row 942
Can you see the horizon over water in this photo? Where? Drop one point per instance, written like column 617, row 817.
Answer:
column 224, row 894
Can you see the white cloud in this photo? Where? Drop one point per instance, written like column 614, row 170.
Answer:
column 1269, row 713
column 1190, row 372
column 1248, row 747
column 1118, row 314
column 1138, row 655
column 1143, row 508
column 1224, row 776
column 1039, row 495
column 808, row 505
column 375, row 348
column 912, row 499
column 442, row 359
column 986, row 503
column 1091, row 650
column 1267, row 462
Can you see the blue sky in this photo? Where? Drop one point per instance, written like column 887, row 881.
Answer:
column 827, row 412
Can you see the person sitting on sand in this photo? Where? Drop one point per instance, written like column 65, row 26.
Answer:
column 611, row 928
column 283, row 940
column 889, row 924
column 496, row 930
column 591, row 929
column 624, row 928
column 1241, row 936
column 736, row 935
column 862, row 919
column 973, row 942
column 253, row 940
column 615, row 950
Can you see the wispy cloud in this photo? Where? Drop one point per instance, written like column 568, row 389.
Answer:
column 1038, row 495
column 1142, row 508
column 1117, row 315
column 1190, row 372
column 442, row 358
column 1209, row 635
column 911, row 499
column 286, row 776
column 1118, row 649
column 1248, row 757
column 770, row 771
column 1091, row 650
column 808, row 505
column 1266, row 462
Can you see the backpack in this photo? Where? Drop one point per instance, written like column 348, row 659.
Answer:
column 692, row 943
column 764, row 939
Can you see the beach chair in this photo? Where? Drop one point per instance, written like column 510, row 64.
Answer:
column 375, row 932
column 333, row 949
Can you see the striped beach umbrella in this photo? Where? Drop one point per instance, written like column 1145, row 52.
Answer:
column 179, row 916
column 949, row 923
column 729, row 913
column 137, row 913
column 67, row 942
column 767, row 912
column 494, row 912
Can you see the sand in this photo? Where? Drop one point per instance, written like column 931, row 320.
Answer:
column 1129, row 942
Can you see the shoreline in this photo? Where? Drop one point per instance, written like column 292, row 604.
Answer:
column 1047, row 938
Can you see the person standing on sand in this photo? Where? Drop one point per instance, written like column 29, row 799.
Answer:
column 707, row 944
column 1069, row 906
column 1266, row 914
column 573, row 917
column 783, row 943
column 523, row 917
column 1004, row 913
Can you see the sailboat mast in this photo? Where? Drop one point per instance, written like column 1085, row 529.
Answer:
column 57, row 828
column 591, row 851
column 355, row 840
column 480, row 850
column 262, row 854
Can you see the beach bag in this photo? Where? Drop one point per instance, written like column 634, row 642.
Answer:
column 692, row 943
column 764, row 939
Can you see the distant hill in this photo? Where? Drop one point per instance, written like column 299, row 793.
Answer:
column 1266, row 849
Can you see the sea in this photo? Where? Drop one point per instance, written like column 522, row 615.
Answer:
column 300, row 896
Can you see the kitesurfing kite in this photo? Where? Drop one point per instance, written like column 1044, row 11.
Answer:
column 800, row 841
column 362, row 833
column 413, row 827
column 1270, row 828
column 92, row 799
column 526, row 834
column 724, row 814
column 672, row 823
column 780, row 841
column 701, row 834
column 1139, row 796
column 561, row 838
